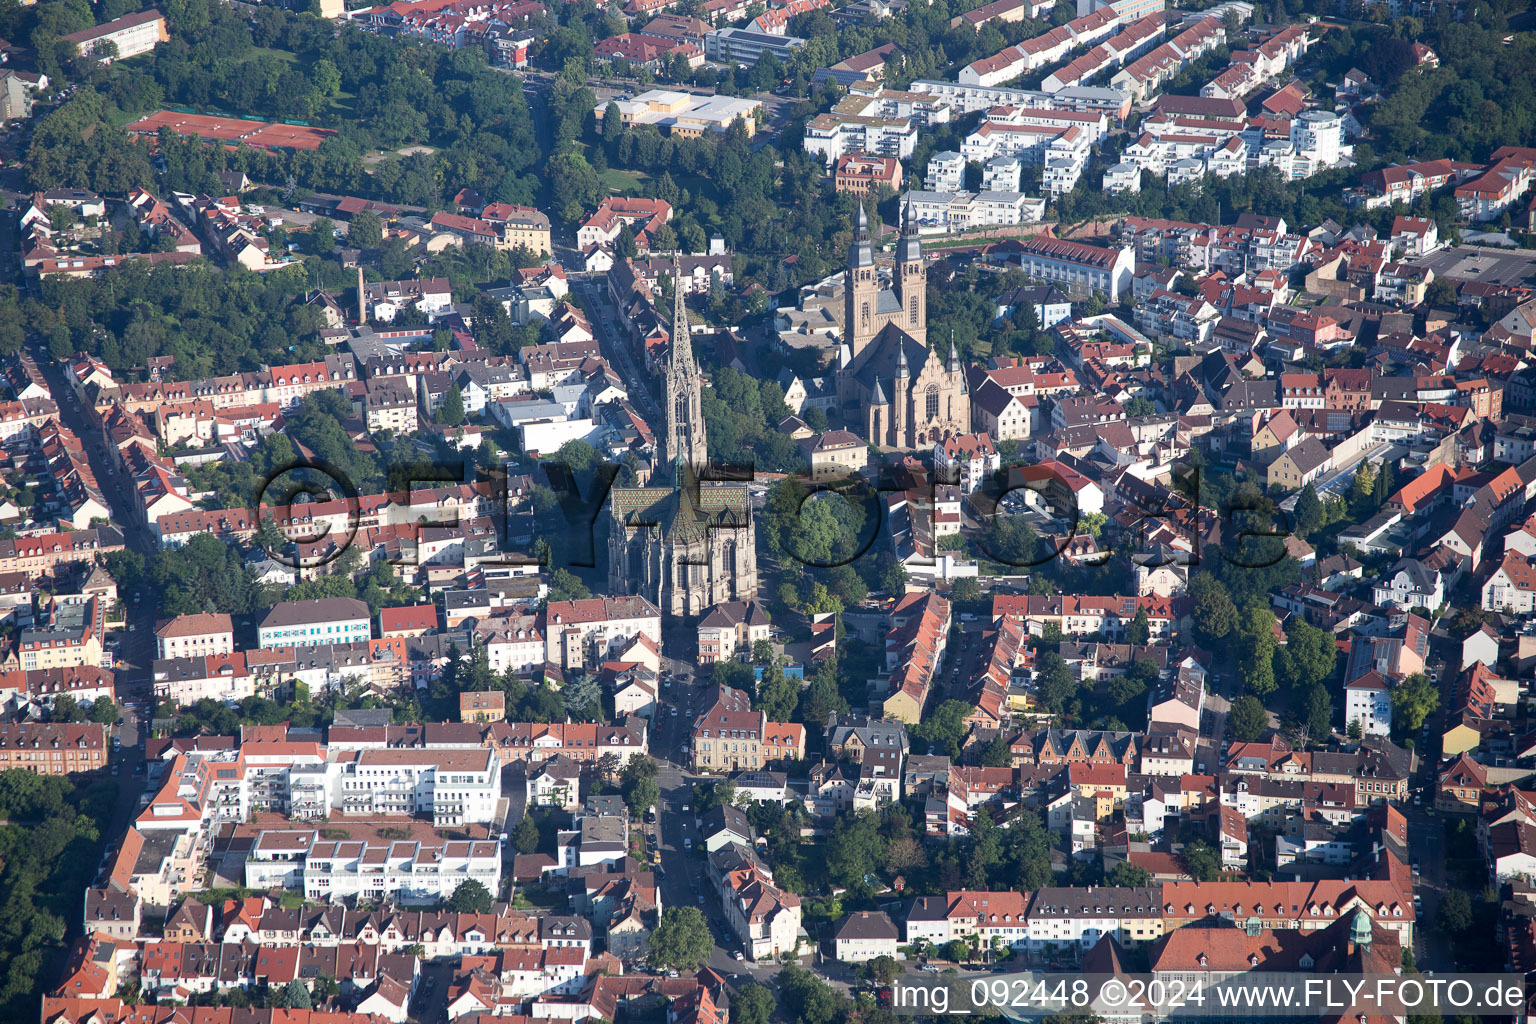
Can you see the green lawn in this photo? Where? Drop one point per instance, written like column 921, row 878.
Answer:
column 624, row 182
column 282, row 55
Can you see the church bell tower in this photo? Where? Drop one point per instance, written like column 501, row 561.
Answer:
column 685, row 443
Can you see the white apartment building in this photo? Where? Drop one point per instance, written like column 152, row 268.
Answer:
column 403, row 871
column 1368, row 700
column 832, row 135
column 1002, row 174
column 967, row 99
column 1078, row 267
column 123, row 37
column 946, row 172
column 456, row 787
column 764, row 918
column 1122, row 177
column 1081, row 916
column 1318, row 138
column 964, row 211
column 326, row 620
column 1066, row 156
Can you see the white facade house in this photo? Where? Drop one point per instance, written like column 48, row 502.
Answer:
column 1368, row 700
column 456, row 787
column 1318, row 136
column 1078, row 267
column 1410, row 584
column 191, row 636
column 865, row 935
column 1512, row 587
column 326, row 620
column 403, row 871
column 946, row 172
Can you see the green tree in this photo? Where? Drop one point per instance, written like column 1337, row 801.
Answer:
column 1126, row 873
column 732, row 673
column 806, row 999
column 882, row 970
column 944, row 728
column 997, row 753
column 365, row 230
column 855, row 849
column 1309, row 654
column 1454, row 915
column 292, row 996
column 1256, row 648
column 1248, row 719
column 1319, row 714
column 1214, row 614
column 103, row 711
column 638, row 784
column 471, row 897
column 1441, row 294
column 1202, row 861
column 681, row 940
column 1309, row 512
column 1054, row 682
column 1140, row 629
column 752, row 1004
column 451, row 413
column 777, row 692
column 1362, row 494
column 566, row 586
column 1413, row 700
column 322, row 236
column 526, row 837
column 642, row 796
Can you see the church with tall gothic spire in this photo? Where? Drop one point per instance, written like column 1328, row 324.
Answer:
column 686, row 544
column 891, row 385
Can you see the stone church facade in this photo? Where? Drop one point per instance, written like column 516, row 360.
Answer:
column 688, row 545
column 890, row 384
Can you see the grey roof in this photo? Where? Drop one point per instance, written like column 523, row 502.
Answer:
column 727, row 819
column 872, row 732
column 322, row 609
column 1038, row 295
column 1309, row 454
column 867, row 924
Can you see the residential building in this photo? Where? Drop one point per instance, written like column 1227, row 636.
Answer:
column 189, row 636
column 731, row 630
column 53, row 748
column 861, row 175
column 121, row 38
column 326, row 620
column 865, row 935
column 728, row 736
column 1079, row 268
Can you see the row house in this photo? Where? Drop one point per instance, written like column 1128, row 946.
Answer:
column 406, row 871
column 1038, row 51
column 914, row 649
column 764, row 918
column 728, row 735
column 993, row 918
column 1078, row 615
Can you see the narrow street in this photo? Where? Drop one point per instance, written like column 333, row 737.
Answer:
column 604, row 319
column 134, row 692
